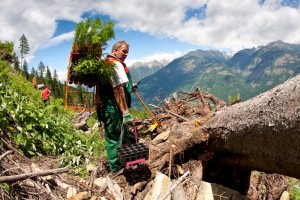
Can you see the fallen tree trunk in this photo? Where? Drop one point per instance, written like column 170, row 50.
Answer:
column 262, row 133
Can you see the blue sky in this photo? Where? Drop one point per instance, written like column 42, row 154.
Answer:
column 155, row 29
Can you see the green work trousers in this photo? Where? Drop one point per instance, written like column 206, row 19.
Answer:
column 113, row 125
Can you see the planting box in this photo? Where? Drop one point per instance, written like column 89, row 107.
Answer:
column 133, row 154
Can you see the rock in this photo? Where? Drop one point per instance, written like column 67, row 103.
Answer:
column 61, row 184
column 207, row 191
column 79, row 196
column 71, row 192
column 285, row 195
column 161, row 137
column 91, row 168
column 100, row 182
column 161, row 185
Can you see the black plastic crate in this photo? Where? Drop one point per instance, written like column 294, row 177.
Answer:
column 132, row 152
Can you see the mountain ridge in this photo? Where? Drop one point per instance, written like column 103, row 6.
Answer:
column 248, row 72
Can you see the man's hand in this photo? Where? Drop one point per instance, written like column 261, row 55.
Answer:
column 135, row 86
column 127, row 118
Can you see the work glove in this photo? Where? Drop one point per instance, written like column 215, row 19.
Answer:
column 127, row 118
column 135, row 86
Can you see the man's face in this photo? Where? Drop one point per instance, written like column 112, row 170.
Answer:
column 121, row 53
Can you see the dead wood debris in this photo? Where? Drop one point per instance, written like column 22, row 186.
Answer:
column 137, row 182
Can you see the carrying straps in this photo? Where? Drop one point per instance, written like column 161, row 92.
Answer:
column 134, row 132
column 111, row 59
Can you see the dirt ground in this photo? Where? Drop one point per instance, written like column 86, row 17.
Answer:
column 132, row 181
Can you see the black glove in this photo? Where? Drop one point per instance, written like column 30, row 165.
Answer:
column 135, row 86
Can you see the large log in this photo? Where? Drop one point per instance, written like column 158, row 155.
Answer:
column 262, row 133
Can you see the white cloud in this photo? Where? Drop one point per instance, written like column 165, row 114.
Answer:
column 158, row 56
column 56, row 40
column 231, row 24
column 62, row 76
column 36, row 19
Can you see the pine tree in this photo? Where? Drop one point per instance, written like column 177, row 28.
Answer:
column 33, row 72
column 55, row 75
column 16, row 62
column 41, row 69
column 25, row 70
column 48, row 74
column 24, row 47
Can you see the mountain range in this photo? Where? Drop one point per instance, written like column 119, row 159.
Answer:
column 248, row 72
column 140, row 70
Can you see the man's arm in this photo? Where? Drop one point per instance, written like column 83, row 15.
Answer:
column 119, row 95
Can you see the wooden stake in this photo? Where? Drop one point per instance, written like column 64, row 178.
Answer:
column 170, row 163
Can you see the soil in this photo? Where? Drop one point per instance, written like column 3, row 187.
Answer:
column 132, row 181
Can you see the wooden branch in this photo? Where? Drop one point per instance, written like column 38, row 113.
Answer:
column 49, row 192
column 10, row 147
column 185, row 119
column 5, row 154
column 93, row 175
column 175, row 185
column 200, row 96
column 113, row 190
column 170, row 163
column 218, row 102
column 9, row 179
column 175, row 97
column 190, row 99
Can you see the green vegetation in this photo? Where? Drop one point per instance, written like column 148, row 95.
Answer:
column 92, row 35
column 140, row 114
column 6, row 49
column 233, row 98
column 295, row 189
column 90, row 40
column 38, row 130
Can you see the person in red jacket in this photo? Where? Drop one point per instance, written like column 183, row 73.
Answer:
column 46, row 95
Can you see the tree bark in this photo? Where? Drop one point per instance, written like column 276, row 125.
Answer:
column 262, row 133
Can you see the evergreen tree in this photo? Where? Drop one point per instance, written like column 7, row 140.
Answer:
column 41, row 69
column 55, row 75
column 33, row 72
column 16, row 62
column 25, row 70
column 24, row 47
column 48, row 74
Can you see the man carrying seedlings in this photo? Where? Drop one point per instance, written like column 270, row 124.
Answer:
column 113, row 110
column 46, row 95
